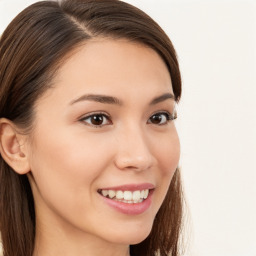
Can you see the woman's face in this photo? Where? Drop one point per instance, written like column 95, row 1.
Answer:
column 103, row 139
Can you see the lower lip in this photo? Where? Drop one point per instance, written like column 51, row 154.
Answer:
column 130, row 209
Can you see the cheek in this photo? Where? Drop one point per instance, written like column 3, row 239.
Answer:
column 168, row 154
column 65, row 170
column 66, row 166
column 68, row 154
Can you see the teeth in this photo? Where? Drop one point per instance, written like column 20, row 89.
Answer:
column 126, row 196
column 142, row 194
column 136, row 196
column 105, row 192
column 111, row 193
column 119, row 194
column 145, row 193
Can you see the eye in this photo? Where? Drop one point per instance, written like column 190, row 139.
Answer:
column 96, row 120
column 161, row 118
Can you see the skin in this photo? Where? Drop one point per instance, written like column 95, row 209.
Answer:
column 70, row 159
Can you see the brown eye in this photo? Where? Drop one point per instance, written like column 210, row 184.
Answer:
column 96, row 120
column 160, row 118
column 156, row 119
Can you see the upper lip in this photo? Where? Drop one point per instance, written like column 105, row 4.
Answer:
column 131, row 187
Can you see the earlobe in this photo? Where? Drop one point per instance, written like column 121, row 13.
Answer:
column 12, row 147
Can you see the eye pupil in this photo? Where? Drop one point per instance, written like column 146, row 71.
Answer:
column 156, row 119
column 97, row 120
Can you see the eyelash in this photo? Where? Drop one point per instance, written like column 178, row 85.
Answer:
column 97, row 114
column 169, row 117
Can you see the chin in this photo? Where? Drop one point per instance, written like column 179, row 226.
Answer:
column 138, row 239
column 133, row 235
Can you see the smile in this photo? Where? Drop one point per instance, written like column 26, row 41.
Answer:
column 130, row 197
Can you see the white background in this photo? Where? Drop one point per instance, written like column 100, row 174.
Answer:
column 216, row 45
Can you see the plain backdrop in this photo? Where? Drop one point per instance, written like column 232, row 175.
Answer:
column 216, row 46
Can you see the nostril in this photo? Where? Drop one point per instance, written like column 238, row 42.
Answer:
column 134, row 158
column 131, row 167
column 134, row 165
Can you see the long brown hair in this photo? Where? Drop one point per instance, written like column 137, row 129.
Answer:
column 31, row 50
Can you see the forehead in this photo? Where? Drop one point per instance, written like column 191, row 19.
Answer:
column 115, row 67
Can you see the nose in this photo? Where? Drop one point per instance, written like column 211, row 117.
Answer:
column 133, row 151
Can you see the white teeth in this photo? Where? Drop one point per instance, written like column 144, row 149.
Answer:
column 142, row 194
column 111, row 193
column 126, row 196
column 136, row 195
column 146, row 193
column 119, row 194
column 104, row 192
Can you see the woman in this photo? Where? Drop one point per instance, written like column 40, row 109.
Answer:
column 89, row 149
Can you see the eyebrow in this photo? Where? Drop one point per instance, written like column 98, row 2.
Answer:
column 113, row 100
column 162, row 98
column 98, row 98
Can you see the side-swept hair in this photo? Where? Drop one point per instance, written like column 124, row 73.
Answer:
column 31, row 51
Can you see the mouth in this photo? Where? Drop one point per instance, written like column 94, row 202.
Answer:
column 129, row 199
column 126, row 196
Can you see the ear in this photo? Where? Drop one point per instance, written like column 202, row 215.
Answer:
column 13, row 147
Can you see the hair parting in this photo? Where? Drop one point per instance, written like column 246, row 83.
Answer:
column 32, row 48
